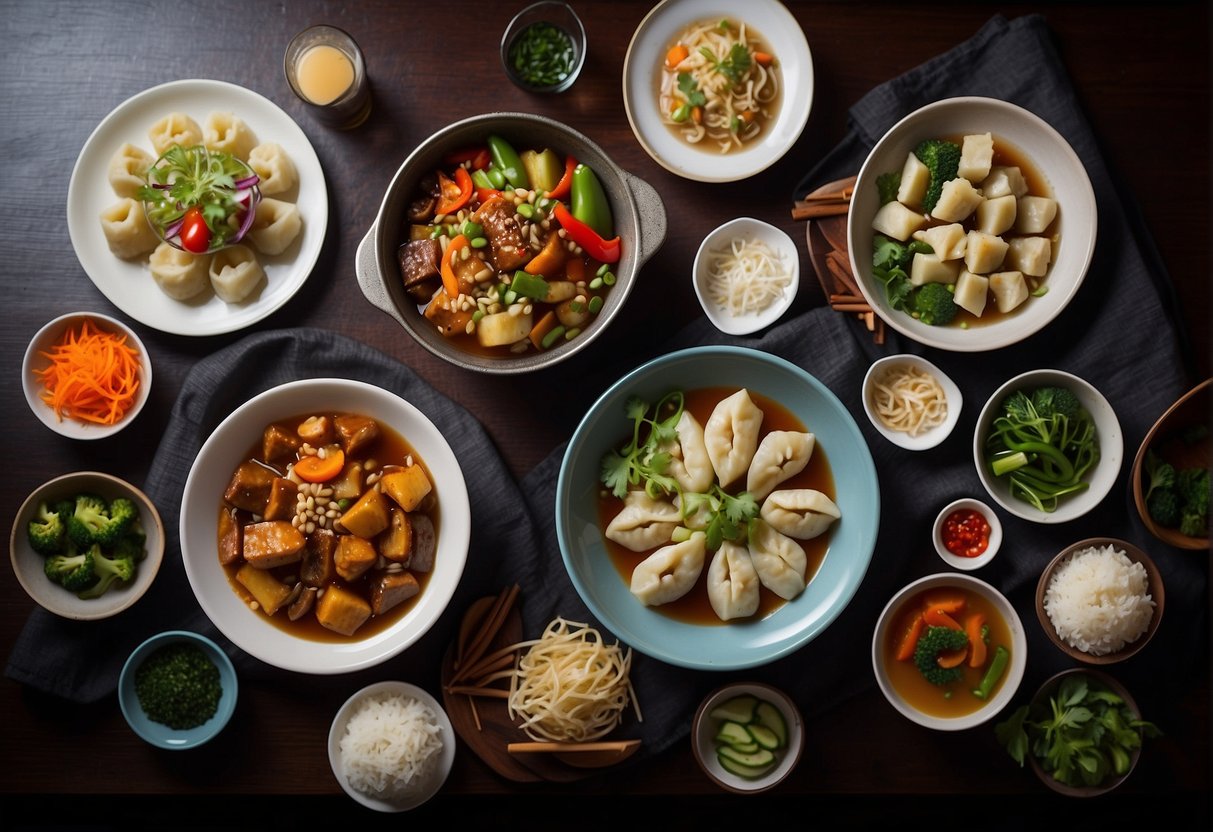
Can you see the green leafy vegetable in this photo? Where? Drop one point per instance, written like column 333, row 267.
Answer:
column 195, row 176
column 1177, row 498
column 688, row 87
column 733, row 66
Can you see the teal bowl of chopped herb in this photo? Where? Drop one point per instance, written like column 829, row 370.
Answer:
column 543, row 47
column 177, row 690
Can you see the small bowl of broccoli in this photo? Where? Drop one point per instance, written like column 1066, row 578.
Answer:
column 86, row 545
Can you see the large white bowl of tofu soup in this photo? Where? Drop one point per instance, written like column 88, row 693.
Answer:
column 972, row 224
column 325, row 525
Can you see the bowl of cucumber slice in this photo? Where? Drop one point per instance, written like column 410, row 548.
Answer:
column 747, row 737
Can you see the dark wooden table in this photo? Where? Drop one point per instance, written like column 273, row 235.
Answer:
column 1142, row 73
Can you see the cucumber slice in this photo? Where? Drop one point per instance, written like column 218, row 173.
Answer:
column 738, row 709
column 758, row 759
column 744, row 747
column 748, row 772
column 734, row 734
column 763, row 736
column 771, row 718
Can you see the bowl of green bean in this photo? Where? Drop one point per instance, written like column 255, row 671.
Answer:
column 543, row 47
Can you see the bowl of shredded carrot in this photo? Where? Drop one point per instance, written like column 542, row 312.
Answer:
column 86, row 375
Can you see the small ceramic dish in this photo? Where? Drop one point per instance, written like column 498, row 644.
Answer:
column 992, row 534
column 710, row 748
column 786, row 261
column 429, row 783
column 546, row 15
column 29, row 565
column 1154, row 586
column 925, row 439
column 35, row 359
column 1180, row 438
column 156, row 733
column 1099, row 479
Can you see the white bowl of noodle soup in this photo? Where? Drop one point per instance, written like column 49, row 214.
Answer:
column 776, row 29
column 910, row 401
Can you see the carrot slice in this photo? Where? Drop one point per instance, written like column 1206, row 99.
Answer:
column 315, row 469
column 764, row 58
column 677, row 54
column 546, row 324
column 93, row 375
column 938, row 618
column 952, row 658
column 948, row 603
column 450, row 283
column 905, row 651
column 977, row 645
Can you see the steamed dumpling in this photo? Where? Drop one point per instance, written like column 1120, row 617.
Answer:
column 731, row 436
column 127, row 171
column 803, row 513
column 779, row 561
column 126, row 229
column 732, row 582
column 235, row 273
column 781, row 454
column 689, row 462
column 179, row 274
column 275, row 226
column 273, row 167
column 670, row 572
column 643, row 523
column 175, row 128
column 228, row 133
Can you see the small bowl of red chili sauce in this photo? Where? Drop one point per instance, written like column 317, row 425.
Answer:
column 967, row 534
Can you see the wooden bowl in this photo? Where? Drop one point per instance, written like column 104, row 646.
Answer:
column 1191, row 409
column 1154, row 586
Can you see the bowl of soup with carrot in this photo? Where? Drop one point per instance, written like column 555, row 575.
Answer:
column 949, row 651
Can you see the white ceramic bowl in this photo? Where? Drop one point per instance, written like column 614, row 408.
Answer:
column 1101, row 478
column 1013, row 674
column 705, row 727
column 746, row 228
column 28, row 564
column 250, row 630
column 1053, row 158
column 994, row 543
column 930, row 437
column 437, row 775
column 44, row 341
column 641, row 76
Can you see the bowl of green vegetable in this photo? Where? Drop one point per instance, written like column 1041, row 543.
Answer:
column 747, row 736
column 543, row 48
column 1048, row 446
column 1082, row 733
column 177, row 690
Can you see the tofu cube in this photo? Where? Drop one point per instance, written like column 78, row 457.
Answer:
column 368, row 516
column 957, row 200
column 928, row 268
column 976, row 157
column 407, row 486
column 984, row 252
column 972, row 291
column 997, row 215
column 1030, row 255
column 1034, row 214
column 946, row 241
column 896, row 221
column 1009, row 288
column 1004, row 180
column 914, row 180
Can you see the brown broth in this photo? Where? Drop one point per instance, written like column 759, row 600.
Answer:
column 910, row 683
column 694, row 607
column 390, row 448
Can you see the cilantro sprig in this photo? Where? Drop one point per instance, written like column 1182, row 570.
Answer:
column 645, row 461
column 185, row 177
column 734, row 65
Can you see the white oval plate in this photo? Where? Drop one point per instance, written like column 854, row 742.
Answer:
column 641, row 68
column 128, row 284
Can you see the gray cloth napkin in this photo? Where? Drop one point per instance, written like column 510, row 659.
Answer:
column 1117, row 333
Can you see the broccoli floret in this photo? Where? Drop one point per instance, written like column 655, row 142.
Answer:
column 131, row 546
column 942, row 159
column 985, row 633
column 1161, row 474
column 108, row 571
column 1192, row 485
column 89, row 516
column 1194, row 525
column 1163, row 507
column 933, row 304
column 931, row 643
column 887, row 185
column 1193, row 434
column 123, row 513
column 47, row 531
column 73, row 571
column 1056, row 401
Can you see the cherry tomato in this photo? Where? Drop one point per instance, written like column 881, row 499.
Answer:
column 195, row 235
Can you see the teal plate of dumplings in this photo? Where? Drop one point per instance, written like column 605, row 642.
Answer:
column 777, row 627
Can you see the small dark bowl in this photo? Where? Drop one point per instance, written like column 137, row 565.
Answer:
column 1154, row 585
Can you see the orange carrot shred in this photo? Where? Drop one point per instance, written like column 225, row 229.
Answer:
column 93, row 376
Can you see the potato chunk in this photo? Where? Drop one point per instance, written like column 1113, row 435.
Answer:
column 501, row 328
column 995, row 216
column 1034, row 214
column 1009, row 288
column 957, row 200
column 407, row 486
column 914, row 180
column 272, row 543
column 1030, row 255
column 946, row 241
column 269, row 592
column 972, row 292
column 984, row 252
column 927, row 268
column 367, row 517
column 976, row 157
column 396, row 542
column 897, row 221
column 354, row 556
column 1004, row 180
column 341, row 610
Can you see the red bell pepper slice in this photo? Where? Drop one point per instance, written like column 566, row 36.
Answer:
column 454, row 193
column 478, row 156
column 565, row 185
column 604, row 251
column 485, row 194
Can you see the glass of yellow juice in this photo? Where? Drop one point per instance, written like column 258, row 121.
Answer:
column 325, row 68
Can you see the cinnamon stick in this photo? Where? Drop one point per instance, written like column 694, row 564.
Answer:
column 473, row 690
column 494, row 620
column 851, row 307
column 807, row 211
column 845, row 298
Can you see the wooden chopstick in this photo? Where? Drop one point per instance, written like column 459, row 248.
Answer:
column 562, row 747
column 472, row 690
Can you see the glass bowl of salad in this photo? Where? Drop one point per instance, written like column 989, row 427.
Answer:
column 543, row 48
column 200, row 200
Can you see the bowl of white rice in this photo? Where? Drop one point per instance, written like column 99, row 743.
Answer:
column 1100, row 600
column 391, row 746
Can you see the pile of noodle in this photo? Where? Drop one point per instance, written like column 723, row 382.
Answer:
column 909, row 400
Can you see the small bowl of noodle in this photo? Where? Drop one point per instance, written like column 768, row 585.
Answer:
column 910, row 401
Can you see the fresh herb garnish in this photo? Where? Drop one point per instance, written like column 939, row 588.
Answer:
column 688, row 87
column 185, row 177
column 644, row 461
column 734, row 66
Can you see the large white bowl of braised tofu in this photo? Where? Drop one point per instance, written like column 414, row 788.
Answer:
column 972, row 225
column 325, row 525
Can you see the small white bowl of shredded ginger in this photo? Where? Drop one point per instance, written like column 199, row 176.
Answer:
column 746, row 275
